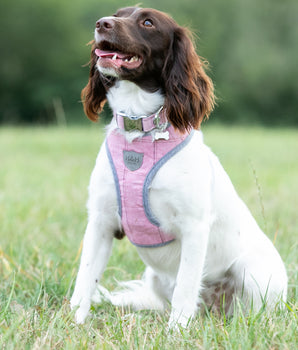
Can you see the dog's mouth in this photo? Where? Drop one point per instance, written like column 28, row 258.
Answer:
column 110, row 56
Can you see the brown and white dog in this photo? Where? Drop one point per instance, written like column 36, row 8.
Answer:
column 142, row 62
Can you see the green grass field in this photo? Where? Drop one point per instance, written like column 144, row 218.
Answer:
column 44, row 174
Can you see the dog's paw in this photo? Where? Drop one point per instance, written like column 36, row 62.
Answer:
column 81, row 314
column 178, row 320
column 75, row 301
column 83, row 308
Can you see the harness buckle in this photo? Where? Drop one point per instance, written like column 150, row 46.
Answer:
column 132, row 124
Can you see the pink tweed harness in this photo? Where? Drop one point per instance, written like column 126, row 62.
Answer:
column 134, row 166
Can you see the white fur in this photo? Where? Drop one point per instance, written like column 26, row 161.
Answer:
column 129, row 98
column 217, row 239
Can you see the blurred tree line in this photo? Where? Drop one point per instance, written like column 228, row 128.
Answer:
column 251, row 45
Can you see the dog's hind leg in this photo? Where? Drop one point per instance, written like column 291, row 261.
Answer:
column 258, row 287
column 134, row 295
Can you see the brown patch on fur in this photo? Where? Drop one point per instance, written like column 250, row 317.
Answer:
column 119, row 234
column 170, row 63
column 219, row 296
column 188, row 89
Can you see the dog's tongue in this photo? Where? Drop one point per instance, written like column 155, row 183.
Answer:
column 112, row 59
column 102, row 53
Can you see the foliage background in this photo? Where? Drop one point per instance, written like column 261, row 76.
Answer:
column 251, row 46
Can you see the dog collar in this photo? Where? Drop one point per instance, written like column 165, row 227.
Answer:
column 145, row 123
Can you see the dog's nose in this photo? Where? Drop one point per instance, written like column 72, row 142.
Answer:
column 105, row 23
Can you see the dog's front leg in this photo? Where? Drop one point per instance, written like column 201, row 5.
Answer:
column 96, row 251
column 188, row 282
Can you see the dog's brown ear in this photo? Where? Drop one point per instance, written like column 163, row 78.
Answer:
column 189, row 96
column 94, row 93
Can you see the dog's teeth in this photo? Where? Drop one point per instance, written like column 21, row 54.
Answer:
column 134, row 59
column 114, row 57
column 126, row 60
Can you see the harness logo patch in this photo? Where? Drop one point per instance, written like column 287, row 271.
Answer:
column 133, row 160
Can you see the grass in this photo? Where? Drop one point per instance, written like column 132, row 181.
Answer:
column 44, row 175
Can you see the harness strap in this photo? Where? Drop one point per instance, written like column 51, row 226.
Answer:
column 134, row 166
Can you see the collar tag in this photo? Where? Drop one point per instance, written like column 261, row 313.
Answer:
column 161, row 135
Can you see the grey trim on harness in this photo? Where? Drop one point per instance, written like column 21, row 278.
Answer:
column 116, row 180
column 149, row 178
column 153, row 245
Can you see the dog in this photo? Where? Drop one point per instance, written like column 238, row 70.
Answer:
column 156, row 182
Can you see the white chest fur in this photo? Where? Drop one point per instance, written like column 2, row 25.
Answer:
column 127, row 97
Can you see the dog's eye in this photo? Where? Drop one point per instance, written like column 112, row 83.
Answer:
column 148, row 23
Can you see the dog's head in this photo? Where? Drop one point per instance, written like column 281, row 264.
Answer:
column 149, row 48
